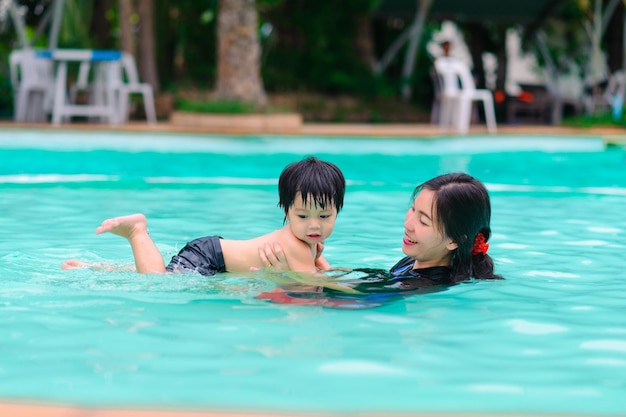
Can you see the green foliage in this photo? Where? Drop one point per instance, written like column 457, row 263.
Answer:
column 74, row 32
column 594, row 120
column 6, row 93
column 227, row 107
column 186, row 39
column 566, row 38
column 6, row 103
column 315, row 47
column 222, row 107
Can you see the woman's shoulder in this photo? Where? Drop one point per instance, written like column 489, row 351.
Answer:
column 403, row 265
column 404, row 269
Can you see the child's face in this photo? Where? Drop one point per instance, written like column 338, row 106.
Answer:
column 423, row 241
column 311, row 223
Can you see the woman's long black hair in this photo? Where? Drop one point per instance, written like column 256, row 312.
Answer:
column 463, row 210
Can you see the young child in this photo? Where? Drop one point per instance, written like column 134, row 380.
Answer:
column 311, row 194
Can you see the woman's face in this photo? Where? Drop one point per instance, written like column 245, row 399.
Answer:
column 423, row 241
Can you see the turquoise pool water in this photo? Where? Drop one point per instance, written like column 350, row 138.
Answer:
column 551, row 338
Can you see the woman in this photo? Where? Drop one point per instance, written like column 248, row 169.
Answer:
column 446, row 230
column 445, row 240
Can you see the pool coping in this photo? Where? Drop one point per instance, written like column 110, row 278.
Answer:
column 610, row 135
column 17, row 409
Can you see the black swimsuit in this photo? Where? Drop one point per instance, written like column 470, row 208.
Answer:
column 377, row 286
column 203, row 255
column 401, row 278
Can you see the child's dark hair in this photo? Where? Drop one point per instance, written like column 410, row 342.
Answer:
column 463, row 210
column 314, row 179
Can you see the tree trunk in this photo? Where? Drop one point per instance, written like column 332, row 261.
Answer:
column 147, row 57
column 100, row 26
column 476, row 44
column 365, row 40
column 126, row 32
column 614, row 39
column 238, row 53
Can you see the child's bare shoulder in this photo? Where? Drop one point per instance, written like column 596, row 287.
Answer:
column 286, row 239
column 292, row 245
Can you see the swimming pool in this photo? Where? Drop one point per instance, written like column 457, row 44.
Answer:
column 551, row 338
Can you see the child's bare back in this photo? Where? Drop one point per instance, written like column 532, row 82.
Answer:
column 241, row 255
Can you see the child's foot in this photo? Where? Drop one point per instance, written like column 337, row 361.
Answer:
column 124, row 226
column 74, row 264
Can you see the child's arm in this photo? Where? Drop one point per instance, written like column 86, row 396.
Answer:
column 300, row 257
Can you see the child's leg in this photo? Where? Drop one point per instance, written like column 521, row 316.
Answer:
column 148, row 259
column 100, row 266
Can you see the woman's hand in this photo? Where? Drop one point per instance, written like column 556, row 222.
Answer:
column 320, row 262
column 272, row 255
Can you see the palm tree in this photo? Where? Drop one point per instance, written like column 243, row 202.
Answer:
column 238, row 54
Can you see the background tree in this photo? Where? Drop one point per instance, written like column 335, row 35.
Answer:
column 239, row 53
column 127, row 16
column 137, row 37
column 101, row 24
column 186, row 39
column 146, row 43
column 322, row 46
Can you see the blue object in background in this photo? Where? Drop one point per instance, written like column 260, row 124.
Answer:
column 617, row 107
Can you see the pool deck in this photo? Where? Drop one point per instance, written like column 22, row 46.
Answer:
column 41, row 410
column 610, row 135
column 9, row 408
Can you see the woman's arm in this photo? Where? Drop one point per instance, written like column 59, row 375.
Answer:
column 274, row 257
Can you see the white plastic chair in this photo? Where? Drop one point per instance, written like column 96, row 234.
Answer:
column 121, row 79
column 32, row 80
column 102, row 90
column 457, row 95
column 435, row 111
column 125, row 80
column 82, row 82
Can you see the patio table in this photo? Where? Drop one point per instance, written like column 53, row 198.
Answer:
column 105, row 103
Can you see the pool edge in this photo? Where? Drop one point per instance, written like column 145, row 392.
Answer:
column 610, row 135
column 24, row 409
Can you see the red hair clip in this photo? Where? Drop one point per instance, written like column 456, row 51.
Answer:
column 480, row 246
